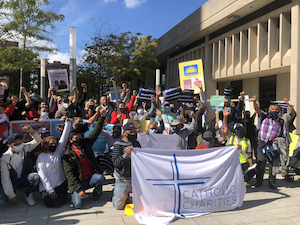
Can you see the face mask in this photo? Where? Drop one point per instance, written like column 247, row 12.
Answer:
column 192, row 108
column 66, row 105
column 274, row 114
column 131, row 137
column 44, row 114
column 152, row 131
column 140, row 111
column 167, row 108
column 18, row 148
column 209, row 144
column 116, row 135
column 122, row 109
column 229, row 109
column 78, row 126
column 32, row 97
column 176, row 130
column 91, row 107
column 198, row 105
column 52, row 148
column 77, row 142
column 239, row 133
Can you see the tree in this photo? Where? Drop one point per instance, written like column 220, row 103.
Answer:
column 29, row 23
column 123, row 57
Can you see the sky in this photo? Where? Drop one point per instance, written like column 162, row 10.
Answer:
column 149, row 17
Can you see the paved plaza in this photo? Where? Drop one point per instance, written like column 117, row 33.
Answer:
column 261, row 206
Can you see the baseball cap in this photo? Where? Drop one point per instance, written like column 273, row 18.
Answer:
column 238, row 125
column 207, row 134
column 128, row 126
column 117, row 128
column 166, row 103
column 43, row 130
column 11, row 138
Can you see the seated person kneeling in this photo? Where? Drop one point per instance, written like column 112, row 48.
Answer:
column 81, row 167
column 16, row 170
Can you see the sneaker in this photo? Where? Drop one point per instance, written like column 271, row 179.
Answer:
column 30, row 201
column 272, row 186
column 96, row 194
column 257, row 185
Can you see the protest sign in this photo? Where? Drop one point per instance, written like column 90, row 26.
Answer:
column 158, row 141
column 49, row 124
column 100, row 145
column 217, row 100
column 145, row 94
column 180, row 184
column 143, row 123
column 190, row 73
column 58, row 79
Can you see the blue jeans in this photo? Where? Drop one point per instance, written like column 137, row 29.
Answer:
column 95, row 181
column 30, row 182
column 121, row 193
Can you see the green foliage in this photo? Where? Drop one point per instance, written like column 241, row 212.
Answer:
column 123, row 57
column 30, row 24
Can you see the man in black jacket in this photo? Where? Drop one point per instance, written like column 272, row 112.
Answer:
column 81, row 167
column 122, row 163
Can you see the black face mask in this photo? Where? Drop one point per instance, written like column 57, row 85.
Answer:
column 77, row 142
column 132, row 137
column 122, row 109
column 52, row 148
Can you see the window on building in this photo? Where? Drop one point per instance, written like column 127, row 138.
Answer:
column 267, row 91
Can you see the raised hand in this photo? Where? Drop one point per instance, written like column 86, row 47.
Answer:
column 225, row 111
column 158, row 91
column 28, row 129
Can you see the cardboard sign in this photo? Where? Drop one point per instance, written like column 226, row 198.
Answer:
column 190, row 73
column 216, row 100
column 58, row 79
column 143, row 123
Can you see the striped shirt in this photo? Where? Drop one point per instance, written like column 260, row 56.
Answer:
column 271, row 129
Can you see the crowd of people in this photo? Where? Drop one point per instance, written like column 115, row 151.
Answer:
column 64, row 168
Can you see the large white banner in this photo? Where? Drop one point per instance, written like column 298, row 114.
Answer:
column 158, row 141
column 178, row 184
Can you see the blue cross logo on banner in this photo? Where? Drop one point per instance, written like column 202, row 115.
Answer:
column 176, row 182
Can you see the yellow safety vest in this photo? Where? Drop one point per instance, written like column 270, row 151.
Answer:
column 244, row 143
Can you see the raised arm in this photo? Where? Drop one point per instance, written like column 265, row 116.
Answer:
column 97, row 129
column 152, row 108
column 158, row 93
column 27, row 97
column 224, row 128
column 75, row 99
column 84, row 95
column 130, row 104
column 255, row 106
column 64, row 137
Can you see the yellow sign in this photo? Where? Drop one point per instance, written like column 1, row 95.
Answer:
column 143, row 123
column 293, row 145
column 190, row 73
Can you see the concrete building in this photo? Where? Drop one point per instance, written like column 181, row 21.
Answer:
column 253, row 45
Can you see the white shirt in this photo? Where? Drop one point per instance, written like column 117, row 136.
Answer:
column 18, row 161
column 49, row 166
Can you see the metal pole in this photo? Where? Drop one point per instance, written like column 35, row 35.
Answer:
column 43, row 78
column 72, row 76
column 157, row 78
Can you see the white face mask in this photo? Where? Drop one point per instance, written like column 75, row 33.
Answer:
column 18, row 148
column 140, row 111
column 66, row 105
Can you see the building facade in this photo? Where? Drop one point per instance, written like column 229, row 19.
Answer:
column 253, row 45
